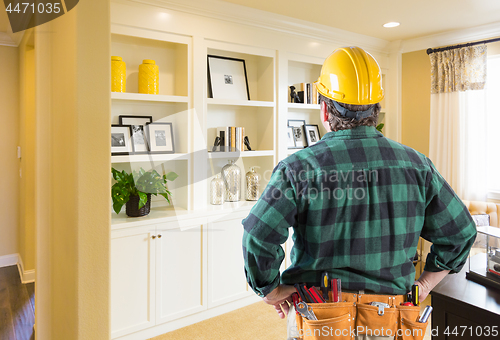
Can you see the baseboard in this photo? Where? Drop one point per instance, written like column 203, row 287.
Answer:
column 9, row 260
column 27, row 276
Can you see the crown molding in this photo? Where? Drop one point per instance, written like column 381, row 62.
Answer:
column 452, row 38
column 6, row 40
column 230, row 12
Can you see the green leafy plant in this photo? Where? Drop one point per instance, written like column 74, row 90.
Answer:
column 139, row 184
column 380, row 127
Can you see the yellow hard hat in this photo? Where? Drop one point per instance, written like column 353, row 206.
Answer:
column 350, row 75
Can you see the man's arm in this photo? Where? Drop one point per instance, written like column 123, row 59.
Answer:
column 265, row 229
column 427, row 281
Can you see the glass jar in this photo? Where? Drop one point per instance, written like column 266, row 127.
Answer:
column 149, row 77
column 217, row 191
column 253, row 185
column 231, row 175
column 118, row 74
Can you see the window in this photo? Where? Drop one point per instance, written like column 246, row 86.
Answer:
column 493, row 126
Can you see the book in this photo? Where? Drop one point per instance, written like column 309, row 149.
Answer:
column 232, row 146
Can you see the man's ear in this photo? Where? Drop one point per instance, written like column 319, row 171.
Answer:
column 324, row 116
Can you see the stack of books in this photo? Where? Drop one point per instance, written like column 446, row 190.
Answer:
column 231, row 138
column 306, row 93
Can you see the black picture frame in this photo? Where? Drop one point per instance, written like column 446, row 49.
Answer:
column 298, row 126
column 127, row 139
column 211, row 71
column 128, row 120
column 308, row 128
column 167, row 138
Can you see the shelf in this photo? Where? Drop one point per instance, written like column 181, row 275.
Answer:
column 148, row 97
column 156, row 215
column 230, row 206
column 238, row 154
column 254, row 103
column 303, row 106
column 149, row 158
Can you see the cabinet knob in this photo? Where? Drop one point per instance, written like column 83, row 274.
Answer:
column 153, row 237
column 159, row 236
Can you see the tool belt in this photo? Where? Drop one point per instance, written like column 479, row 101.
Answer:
column 355, row 316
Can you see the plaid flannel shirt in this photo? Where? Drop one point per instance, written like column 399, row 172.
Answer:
column 357, row 202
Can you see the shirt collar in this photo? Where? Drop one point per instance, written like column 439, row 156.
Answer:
column 356, row 133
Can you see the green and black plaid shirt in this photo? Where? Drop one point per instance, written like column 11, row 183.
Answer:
column 357, row 202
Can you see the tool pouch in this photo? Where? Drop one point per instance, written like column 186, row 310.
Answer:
column 355, row 316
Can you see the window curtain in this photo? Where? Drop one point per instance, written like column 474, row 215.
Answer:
column 457, row 143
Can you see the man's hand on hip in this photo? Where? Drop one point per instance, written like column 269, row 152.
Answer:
column 279, row 297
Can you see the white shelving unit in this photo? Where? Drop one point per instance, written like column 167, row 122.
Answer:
column 192, row 239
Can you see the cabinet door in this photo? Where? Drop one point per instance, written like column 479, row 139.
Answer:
column 178, row 275
column 132, row 280
column 226, row 274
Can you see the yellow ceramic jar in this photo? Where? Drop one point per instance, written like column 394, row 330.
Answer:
column 149, row 76
column 118, row 74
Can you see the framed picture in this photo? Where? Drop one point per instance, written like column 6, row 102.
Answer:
column 121, row 140
column 227, row 78
column 298, row 132
column 291, row 140
column 135, row 120
column 160, row 137
column 139, row 140
column 312, row 134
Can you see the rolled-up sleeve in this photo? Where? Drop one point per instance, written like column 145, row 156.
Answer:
column 448, row 225
column 266, row 228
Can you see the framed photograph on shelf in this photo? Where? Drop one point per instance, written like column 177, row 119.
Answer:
column 312, row 134
column 291, row 140
column 139, row 140
column 160, row 137
column 121, row 140
column 227, row 78
column 298, row 132
column 135, row 120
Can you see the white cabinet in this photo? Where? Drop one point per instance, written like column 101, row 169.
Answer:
column 155, row 275
column 226, row 275
column 132, row 280
column 178, row 275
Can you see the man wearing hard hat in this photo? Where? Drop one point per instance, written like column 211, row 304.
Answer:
column 358, row 203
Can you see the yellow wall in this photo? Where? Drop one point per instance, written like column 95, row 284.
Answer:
column 73, row 174
column 27, row 141
column 416, row 100
column 9, row 139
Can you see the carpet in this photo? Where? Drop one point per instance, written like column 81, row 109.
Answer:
column 256, row 321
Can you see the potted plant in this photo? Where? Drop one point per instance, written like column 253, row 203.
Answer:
column 135, row 190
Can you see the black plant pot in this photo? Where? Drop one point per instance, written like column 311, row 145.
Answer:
column 132, row 207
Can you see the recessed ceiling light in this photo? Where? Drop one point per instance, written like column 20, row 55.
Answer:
column 391, row 24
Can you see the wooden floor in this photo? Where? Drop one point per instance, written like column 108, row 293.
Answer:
column 17, row 306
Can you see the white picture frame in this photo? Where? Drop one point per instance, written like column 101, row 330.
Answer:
column 160, row 137
column 312, row 134
column 298, row 132
column 121, row 140
column 227, row 78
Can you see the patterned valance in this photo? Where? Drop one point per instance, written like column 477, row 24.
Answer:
column 459, row 69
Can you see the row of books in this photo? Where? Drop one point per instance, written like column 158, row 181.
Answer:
column 231, row 138
column 305, row 93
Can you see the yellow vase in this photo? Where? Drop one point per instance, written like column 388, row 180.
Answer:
column 149, row 76
column 118, row 74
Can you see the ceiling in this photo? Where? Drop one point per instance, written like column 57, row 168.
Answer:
column 418, row 17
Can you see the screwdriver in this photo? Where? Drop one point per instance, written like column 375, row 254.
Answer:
column 325, row 285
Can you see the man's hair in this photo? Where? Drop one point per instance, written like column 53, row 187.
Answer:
column 337, row 122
